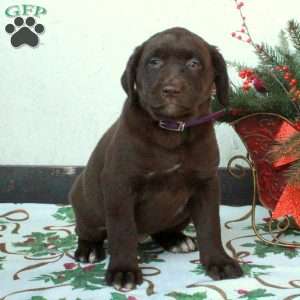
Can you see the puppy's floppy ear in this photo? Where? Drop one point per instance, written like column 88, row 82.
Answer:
column 128, row 78
column 221, row 76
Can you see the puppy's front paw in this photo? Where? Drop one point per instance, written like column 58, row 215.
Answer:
column 89, row 252
column 223, row 268
column 124, row 280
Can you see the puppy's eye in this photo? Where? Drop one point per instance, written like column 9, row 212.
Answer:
column 194, row 63
column 155, row 62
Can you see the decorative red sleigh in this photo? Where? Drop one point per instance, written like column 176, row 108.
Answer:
column 259, row 132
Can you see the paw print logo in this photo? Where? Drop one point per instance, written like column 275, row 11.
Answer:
column 24, row 32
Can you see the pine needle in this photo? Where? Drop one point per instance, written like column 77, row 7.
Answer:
column 294, row 33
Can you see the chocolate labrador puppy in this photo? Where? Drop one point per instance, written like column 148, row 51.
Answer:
column 145, row 179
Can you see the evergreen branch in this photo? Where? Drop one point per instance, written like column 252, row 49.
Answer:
column 269, row 56
column 294, row 32
column 281, row 95
column 245, row 103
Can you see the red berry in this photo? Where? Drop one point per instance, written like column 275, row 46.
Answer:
column 240, row 5
column 249, row 74
column 285, row 68
column 288, row 76
column 279, row 68
column 293, row 82
column 248, row 40
column 233, row 34
column 242, row 74
column 239, row 37
column 243, row 30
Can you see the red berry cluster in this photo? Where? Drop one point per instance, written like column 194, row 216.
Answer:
column 288, row 76
column 250, row 79
column 241, row 34
column 248, row 76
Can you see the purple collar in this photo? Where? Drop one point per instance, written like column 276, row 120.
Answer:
column 180, row 125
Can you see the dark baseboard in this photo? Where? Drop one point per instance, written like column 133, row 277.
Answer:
column 46, row 184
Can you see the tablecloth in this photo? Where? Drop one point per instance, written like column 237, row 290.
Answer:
column 37, row 243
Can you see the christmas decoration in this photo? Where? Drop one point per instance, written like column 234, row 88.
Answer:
column 287, row 154
column 265, row 112
column 273, row 85
column 261, row 133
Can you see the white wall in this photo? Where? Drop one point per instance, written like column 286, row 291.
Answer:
column 57, row 100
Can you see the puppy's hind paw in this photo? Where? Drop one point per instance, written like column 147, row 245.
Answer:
column 188, row 244
column 175, row 242
column 89, row 252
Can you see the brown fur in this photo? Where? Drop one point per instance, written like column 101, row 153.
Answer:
column 144, row 179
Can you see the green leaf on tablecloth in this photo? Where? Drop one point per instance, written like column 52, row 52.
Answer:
column 2, row 259
column 249, row 269
column 42, row 244
column 36, row 243
column 256, row 294
column 261, row 249
column 66, row 243
column 182, row 296
column 117, row 296
column 90, row 277
column 66, row 214
column 199, row 270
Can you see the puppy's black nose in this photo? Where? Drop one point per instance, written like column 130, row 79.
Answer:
column 170, row 90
